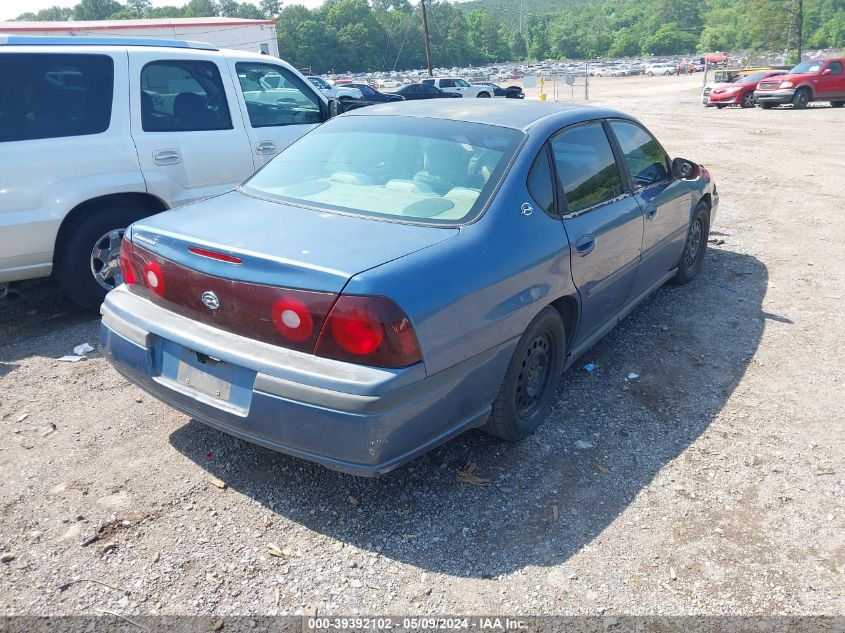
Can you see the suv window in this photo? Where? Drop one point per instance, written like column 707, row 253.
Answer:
column 461, row 83
column 835, row 68
column 586, row 167
column 644, row 159
column 428, row 82
column 275, row 96
column 51, row 96
column 183, row 96
column 447, row 83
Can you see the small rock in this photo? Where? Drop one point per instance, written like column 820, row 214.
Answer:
column 7, row 558
column 156, row 557
column 352, row 501
column 217, row 483
column 583, row 445
column 22, row 417
column 673, row 574
column 217, row 625
column 633, row 376
column 123, row 602
column 355, row 583
column 47, row 429
column 664, row 328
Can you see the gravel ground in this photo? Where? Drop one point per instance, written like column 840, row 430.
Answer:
column 712, row 483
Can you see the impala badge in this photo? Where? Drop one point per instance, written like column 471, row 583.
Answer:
column 210, row 300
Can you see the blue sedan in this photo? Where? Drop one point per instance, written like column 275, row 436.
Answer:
column 403, row 273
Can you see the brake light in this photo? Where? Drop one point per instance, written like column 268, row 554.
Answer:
column 209, row 254
column 125, row 260
column 369, row 331
column 153, row 277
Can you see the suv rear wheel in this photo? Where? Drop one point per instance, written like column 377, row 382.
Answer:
column 801, row 99
column 837, row 104
column 86, row 262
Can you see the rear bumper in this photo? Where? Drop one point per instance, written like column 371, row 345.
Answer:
column 774, row 96
column 359, row 420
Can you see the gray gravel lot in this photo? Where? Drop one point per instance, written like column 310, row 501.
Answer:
column 713, row 483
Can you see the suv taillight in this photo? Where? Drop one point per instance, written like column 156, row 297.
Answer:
column 369, row 331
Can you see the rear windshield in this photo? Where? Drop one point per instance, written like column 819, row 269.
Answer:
column 426, row 170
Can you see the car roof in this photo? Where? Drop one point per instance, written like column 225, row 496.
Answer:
column 510, row 113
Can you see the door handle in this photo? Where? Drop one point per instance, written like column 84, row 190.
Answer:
column 650, row 212
column 167, row 157
column 265, row 147
column 585, row 244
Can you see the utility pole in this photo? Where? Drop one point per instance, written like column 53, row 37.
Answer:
column 800, row 29
column 522, row 18
column 427, row 43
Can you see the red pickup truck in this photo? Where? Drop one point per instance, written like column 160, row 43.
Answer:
column 809, row 81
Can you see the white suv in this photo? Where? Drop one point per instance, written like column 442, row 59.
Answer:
column 96, row 133
column 459, row 86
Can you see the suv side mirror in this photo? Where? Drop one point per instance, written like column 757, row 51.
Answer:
column 682, row 168
column 827, row 71
column 334, row 108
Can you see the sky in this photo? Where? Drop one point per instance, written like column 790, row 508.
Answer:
column 10, row 9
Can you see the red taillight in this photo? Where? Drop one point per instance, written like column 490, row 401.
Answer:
column 369, row 331
column 125, row 261
column 153, row 277
column 293, row 319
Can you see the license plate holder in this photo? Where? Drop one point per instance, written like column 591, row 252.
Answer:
column 205, row 374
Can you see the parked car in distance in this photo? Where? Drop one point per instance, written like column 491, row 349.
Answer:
column 808, row 81
column 457, row 85
column 371, row 95
column 414, row 92
column 511, row 92
column 660, row 69
column 97, row 132
column 739, row 92
column 332, row 307
column 341, row 93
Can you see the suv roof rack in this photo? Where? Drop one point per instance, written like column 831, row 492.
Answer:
column 49, row 40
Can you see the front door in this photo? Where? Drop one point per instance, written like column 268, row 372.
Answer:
column 187, row 127
column 664, row 201
column 830, row 84
column 279, row 106
column 603, row 222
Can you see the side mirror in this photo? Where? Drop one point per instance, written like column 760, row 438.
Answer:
column 827, row 71
column 334, row 108
column 682, row 168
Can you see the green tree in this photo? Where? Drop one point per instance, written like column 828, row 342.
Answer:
column 95, row 9
column 669, row 40
column 201, row 9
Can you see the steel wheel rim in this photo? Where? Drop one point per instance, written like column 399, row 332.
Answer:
column 748, row 100
column 534, row 374
column 694, row 242
column 105, row 259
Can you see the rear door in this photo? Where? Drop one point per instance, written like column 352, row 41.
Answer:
column 664, row 201
column 603, row 222
column 278, row 106
column 186, row 125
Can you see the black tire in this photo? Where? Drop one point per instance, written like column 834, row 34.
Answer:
column 532, row 378
column 766, row 106
column 719, row 106
column 73, row 262
column 692, row 259
column 483, row 95
column 801, row 98
column 837, row 104
column 747, row 100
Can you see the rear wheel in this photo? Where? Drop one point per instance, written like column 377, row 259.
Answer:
column 86, row 261
column 483, row 95
column 766, row 106
column 530, row 383
column 837, row 104
column 747, row 100
column 801, row 99
column 692, row 258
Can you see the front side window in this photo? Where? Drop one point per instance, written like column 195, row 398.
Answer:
column 643, row 156
column 461, row 83
column 418, row 170
column 429, row 82
column 586, row 168
column 54, row 95
column 274, row 96
column 835, row 68
column 447, row 83
column 183, row 96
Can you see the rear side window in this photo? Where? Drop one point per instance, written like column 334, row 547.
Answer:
column 540, row 182
column 643, row 157
column 52, row 96
column 183, row 96
column 586, row 167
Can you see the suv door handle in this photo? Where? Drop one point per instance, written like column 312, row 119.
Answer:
column 650, row 212
column 265, row 147
column 167, row 157
column 585, row 244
